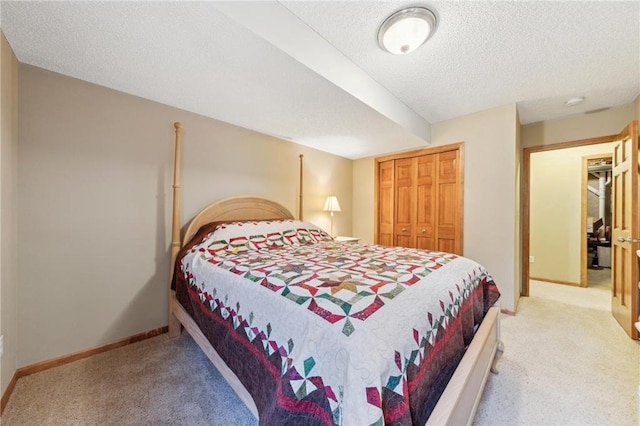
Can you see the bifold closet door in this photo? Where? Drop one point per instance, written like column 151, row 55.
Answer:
column 386, row 203
column 426, row 202
column 420, row 199
column 448, row 202
column 405, row 193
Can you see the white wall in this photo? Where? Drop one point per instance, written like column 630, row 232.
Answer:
column 8, row 212
column 556, row 193
column 95, row 173
column 490, row 188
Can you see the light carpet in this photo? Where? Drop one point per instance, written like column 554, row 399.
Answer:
column 566, row 362
column 158, row 381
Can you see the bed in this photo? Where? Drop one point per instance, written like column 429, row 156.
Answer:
column 308, row 330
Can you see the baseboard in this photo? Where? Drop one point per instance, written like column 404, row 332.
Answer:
column 7, row 393
column 547, row 280
column 508, row 312
column 66, row 359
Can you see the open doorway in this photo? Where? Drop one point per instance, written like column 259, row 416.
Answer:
column 624, row 294
column 561, row 211
column 596, row 213
column 528, row 261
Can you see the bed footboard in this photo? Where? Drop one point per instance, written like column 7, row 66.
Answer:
column 175, row 326
column 459, row 401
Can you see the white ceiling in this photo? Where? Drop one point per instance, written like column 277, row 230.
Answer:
column 312, row 72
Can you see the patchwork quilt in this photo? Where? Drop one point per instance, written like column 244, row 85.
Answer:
column 323, row 332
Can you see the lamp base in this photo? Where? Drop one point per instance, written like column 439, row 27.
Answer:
column 332, row 235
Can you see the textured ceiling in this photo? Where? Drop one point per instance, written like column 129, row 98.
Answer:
column 311, row 72
column 487, row 54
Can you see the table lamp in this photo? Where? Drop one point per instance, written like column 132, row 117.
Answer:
column 331, row 205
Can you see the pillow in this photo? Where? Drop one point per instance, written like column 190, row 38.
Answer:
column 268, row 234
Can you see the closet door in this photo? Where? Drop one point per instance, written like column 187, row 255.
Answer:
column 426, row 202
column 448, row 201
column 386, row 202
column 420, row 199
column 405, row 203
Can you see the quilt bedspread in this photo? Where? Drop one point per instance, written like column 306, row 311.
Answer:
column 334, row 333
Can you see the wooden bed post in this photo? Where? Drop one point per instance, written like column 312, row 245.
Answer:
column 301, row 190
column 174, row 324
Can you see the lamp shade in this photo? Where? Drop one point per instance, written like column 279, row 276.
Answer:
column 332, row 204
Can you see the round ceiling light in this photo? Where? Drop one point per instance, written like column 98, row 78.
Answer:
column 406, row 30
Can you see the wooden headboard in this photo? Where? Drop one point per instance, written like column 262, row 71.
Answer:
column 237, row 208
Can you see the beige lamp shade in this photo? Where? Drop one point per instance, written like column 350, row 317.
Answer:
column 332, row 204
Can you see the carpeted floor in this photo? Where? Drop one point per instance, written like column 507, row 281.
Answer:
column 599, row 278
column 566, row 362
column 155, row 382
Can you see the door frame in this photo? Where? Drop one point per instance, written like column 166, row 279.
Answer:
column 526, row 194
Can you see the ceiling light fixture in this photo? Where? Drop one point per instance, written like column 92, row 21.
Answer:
column 574, row 101
column 406, row 30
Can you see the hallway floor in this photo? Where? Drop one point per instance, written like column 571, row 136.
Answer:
column 599, row 277
column 593, row 297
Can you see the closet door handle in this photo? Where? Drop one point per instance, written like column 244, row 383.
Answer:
column 424, row 230
column 404, row 229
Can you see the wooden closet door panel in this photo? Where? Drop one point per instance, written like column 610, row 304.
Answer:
column 448, row 216
column 426, row 202
column 404, row 203
column 386, row 190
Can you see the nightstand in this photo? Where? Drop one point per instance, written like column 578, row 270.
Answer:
column 354, row 240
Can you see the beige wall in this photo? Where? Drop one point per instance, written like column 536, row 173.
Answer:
column 95, row 176
column 637, row 108
column 489, row 191
column 95, row 170
column 490, row 216
column 363, row 197
column 577, row 127
column 556, row 204
column 8, row 212
column 518, row 217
